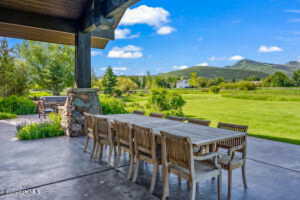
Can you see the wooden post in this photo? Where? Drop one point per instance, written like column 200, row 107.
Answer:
column 83, row 60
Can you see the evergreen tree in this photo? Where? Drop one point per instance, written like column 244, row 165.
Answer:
column 14, row 78
column 109, row 81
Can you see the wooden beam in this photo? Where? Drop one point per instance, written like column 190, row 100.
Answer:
column 83, row 60
column 38, row 21
column 113, row 7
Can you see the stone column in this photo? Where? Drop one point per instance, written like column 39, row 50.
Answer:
column 79, row 100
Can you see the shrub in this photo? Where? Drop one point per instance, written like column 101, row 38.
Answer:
column 55, row 118
column 7, row 115
column 163, row 100
column 246, row 85
column 35, row 95
column 112, row 105
column 17, row 105
column 39, row 130
column 242, row 85
column 214, row 89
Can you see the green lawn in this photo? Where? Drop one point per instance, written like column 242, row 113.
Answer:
column 274, row 118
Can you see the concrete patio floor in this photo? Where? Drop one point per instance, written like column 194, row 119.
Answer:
column 57, row 168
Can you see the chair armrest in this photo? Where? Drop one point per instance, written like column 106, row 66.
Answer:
column 232, row 150
column 207, row 156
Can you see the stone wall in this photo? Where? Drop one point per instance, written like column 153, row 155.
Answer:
column 79, row 100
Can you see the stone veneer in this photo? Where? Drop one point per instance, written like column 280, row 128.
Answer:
column 79, row 100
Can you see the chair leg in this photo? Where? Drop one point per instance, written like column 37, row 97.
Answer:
column 193, row 191
column 219, row 186
column 153, row 179
column 118, row 158
column 229, row 184
column 130, row 166
column 111, row 148
column 165, row 183
column 136, row 170
column 244, row 176
column 94, row 149
column 86, row 144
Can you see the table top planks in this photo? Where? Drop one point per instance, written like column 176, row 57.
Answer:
column 199, row 135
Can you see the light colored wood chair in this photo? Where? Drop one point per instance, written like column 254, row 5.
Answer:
column 178, row 158
column 124, row 142
column 89, row 128
column 232, row 160
column 199, row 122
column 157, row 115
column 145, row 148
column 104, row 137
column 180, row 119
column 138, row 112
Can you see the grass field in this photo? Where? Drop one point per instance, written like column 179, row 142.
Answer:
column 269, row 113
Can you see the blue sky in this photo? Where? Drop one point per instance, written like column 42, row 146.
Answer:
column 164, row 35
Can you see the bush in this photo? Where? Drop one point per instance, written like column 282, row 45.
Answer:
column 214, row 89
column 242, row 85
column 163, row 100
column 246, row 85
column 35, row 95
column 39, row 130
column 112, row 105
column 7, row 115
column 17, row 105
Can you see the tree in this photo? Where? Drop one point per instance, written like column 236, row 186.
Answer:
column 296, row 77
column 14, row 78
column 109, row 81
column 126, row 84
column 278, row 79
column 51, row 65
column 194, row 80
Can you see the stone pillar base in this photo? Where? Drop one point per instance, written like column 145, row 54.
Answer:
column 79, row 100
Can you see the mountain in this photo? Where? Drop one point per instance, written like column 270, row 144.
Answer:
column 268, row 68
column 213, row 72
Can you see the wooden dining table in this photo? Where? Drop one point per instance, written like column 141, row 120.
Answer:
column 200, row 135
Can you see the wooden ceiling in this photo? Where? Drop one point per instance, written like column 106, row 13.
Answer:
column 69, row 9
column 53, row 21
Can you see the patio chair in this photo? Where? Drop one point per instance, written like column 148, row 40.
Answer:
column 231, row 161
column 199, row 122
column 178, row 158
column 145, row 148
column 139, row 112
column 89, row 127
column 124, row 142
column 157, row 115
column 180, row 119
column 103, row 135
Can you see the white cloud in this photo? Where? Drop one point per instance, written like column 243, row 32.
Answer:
column 178, row 67
column 129, row 51
column 152, row 16
column 96, row 53
column 156, row 17
column 236, row 58
column 266, row 49
column 165, row 30
column 125, row 34
column 293, row 11
column 203, row 64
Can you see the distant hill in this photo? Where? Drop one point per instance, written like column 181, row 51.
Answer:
column 213, row 72
column 268, row 68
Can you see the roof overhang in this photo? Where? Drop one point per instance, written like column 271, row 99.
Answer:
column 57, row 21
